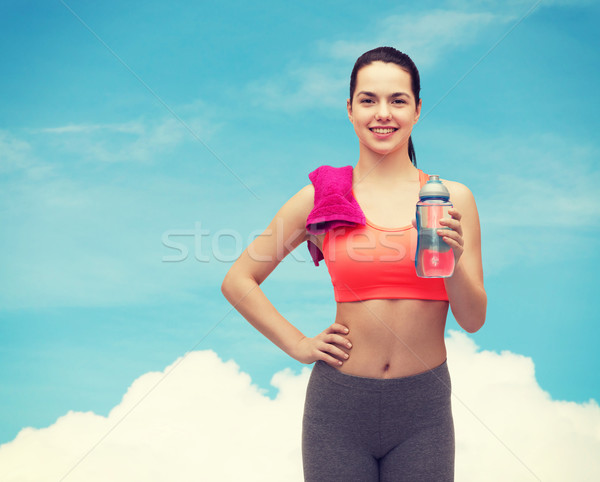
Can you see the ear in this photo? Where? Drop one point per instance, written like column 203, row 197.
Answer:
column 349, row 108
column 418, row 111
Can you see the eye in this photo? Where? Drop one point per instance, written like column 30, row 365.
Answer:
column 399, row 101
column 366, row 101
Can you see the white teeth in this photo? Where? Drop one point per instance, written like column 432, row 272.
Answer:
column 383, row 131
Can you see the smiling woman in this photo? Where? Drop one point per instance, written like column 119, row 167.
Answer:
column 378, row 400
column 387, row 110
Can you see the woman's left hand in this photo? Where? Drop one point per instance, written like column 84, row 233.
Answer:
column 453, row 236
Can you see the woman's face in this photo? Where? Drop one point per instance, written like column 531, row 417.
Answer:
column 383, row 109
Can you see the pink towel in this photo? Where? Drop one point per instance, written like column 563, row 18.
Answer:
column 334, row 204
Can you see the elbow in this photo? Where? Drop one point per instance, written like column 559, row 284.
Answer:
column 227, row 286
column 474, row 319
column 234, row 285
column 474, row 326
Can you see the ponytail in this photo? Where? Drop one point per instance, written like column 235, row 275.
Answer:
column 411, row 152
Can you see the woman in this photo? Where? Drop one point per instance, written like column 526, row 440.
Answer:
column 378, row 400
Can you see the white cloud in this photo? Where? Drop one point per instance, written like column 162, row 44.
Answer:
column 14, row 152
column 311, row 87
column 554, row 439
column 205, row 420
column 133, row 141
column 81, row 237
column 128, row 127
column 424, row 36
column 16, row 155
column 137, row 140
column 539, row 179
column 517, row 6
column 549, row 188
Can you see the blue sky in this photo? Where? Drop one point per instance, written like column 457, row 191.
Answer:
column 211, row 117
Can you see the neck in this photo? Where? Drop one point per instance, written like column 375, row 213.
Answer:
column 384, row 169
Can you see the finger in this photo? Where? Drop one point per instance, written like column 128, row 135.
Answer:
column 455, row 214
column 452, row 224
column 446, row 233
column 450, row 233
column 334, row 351
column 339, row 340
column 334, row 362
column 453, row 243
column 338, row 328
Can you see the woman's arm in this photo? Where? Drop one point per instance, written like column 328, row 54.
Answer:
column 466, row 293
column 286, row 231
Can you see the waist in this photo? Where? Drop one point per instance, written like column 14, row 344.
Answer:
column 393, row 338
column 438, row 373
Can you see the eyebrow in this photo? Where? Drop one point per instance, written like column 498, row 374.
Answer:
column 371, row 94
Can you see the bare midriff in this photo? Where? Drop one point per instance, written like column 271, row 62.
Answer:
column 393, row 338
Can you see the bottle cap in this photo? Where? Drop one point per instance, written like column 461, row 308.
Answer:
column 434, row 189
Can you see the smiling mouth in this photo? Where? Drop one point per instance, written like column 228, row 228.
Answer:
column 383, row 130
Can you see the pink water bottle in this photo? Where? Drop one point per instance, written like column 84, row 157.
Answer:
column 434, row 258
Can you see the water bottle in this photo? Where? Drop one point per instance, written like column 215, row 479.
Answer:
column 434, row 258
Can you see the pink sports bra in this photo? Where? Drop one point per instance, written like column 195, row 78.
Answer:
column 373, row 262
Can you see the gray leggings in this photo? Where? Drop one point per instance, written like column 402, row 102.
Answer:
column 370, row 429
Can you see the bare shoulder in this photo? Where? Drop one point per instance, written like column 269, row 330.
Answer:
column 306, row 196
column 460, row 194
column 464, row 202
column 295, row 211
column 302, row 203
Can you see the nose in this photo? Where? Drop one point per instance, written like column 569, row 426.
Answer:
column 383, row 112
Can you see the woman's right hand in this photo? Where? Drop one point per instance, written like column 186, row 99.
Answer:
column 326, row 346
